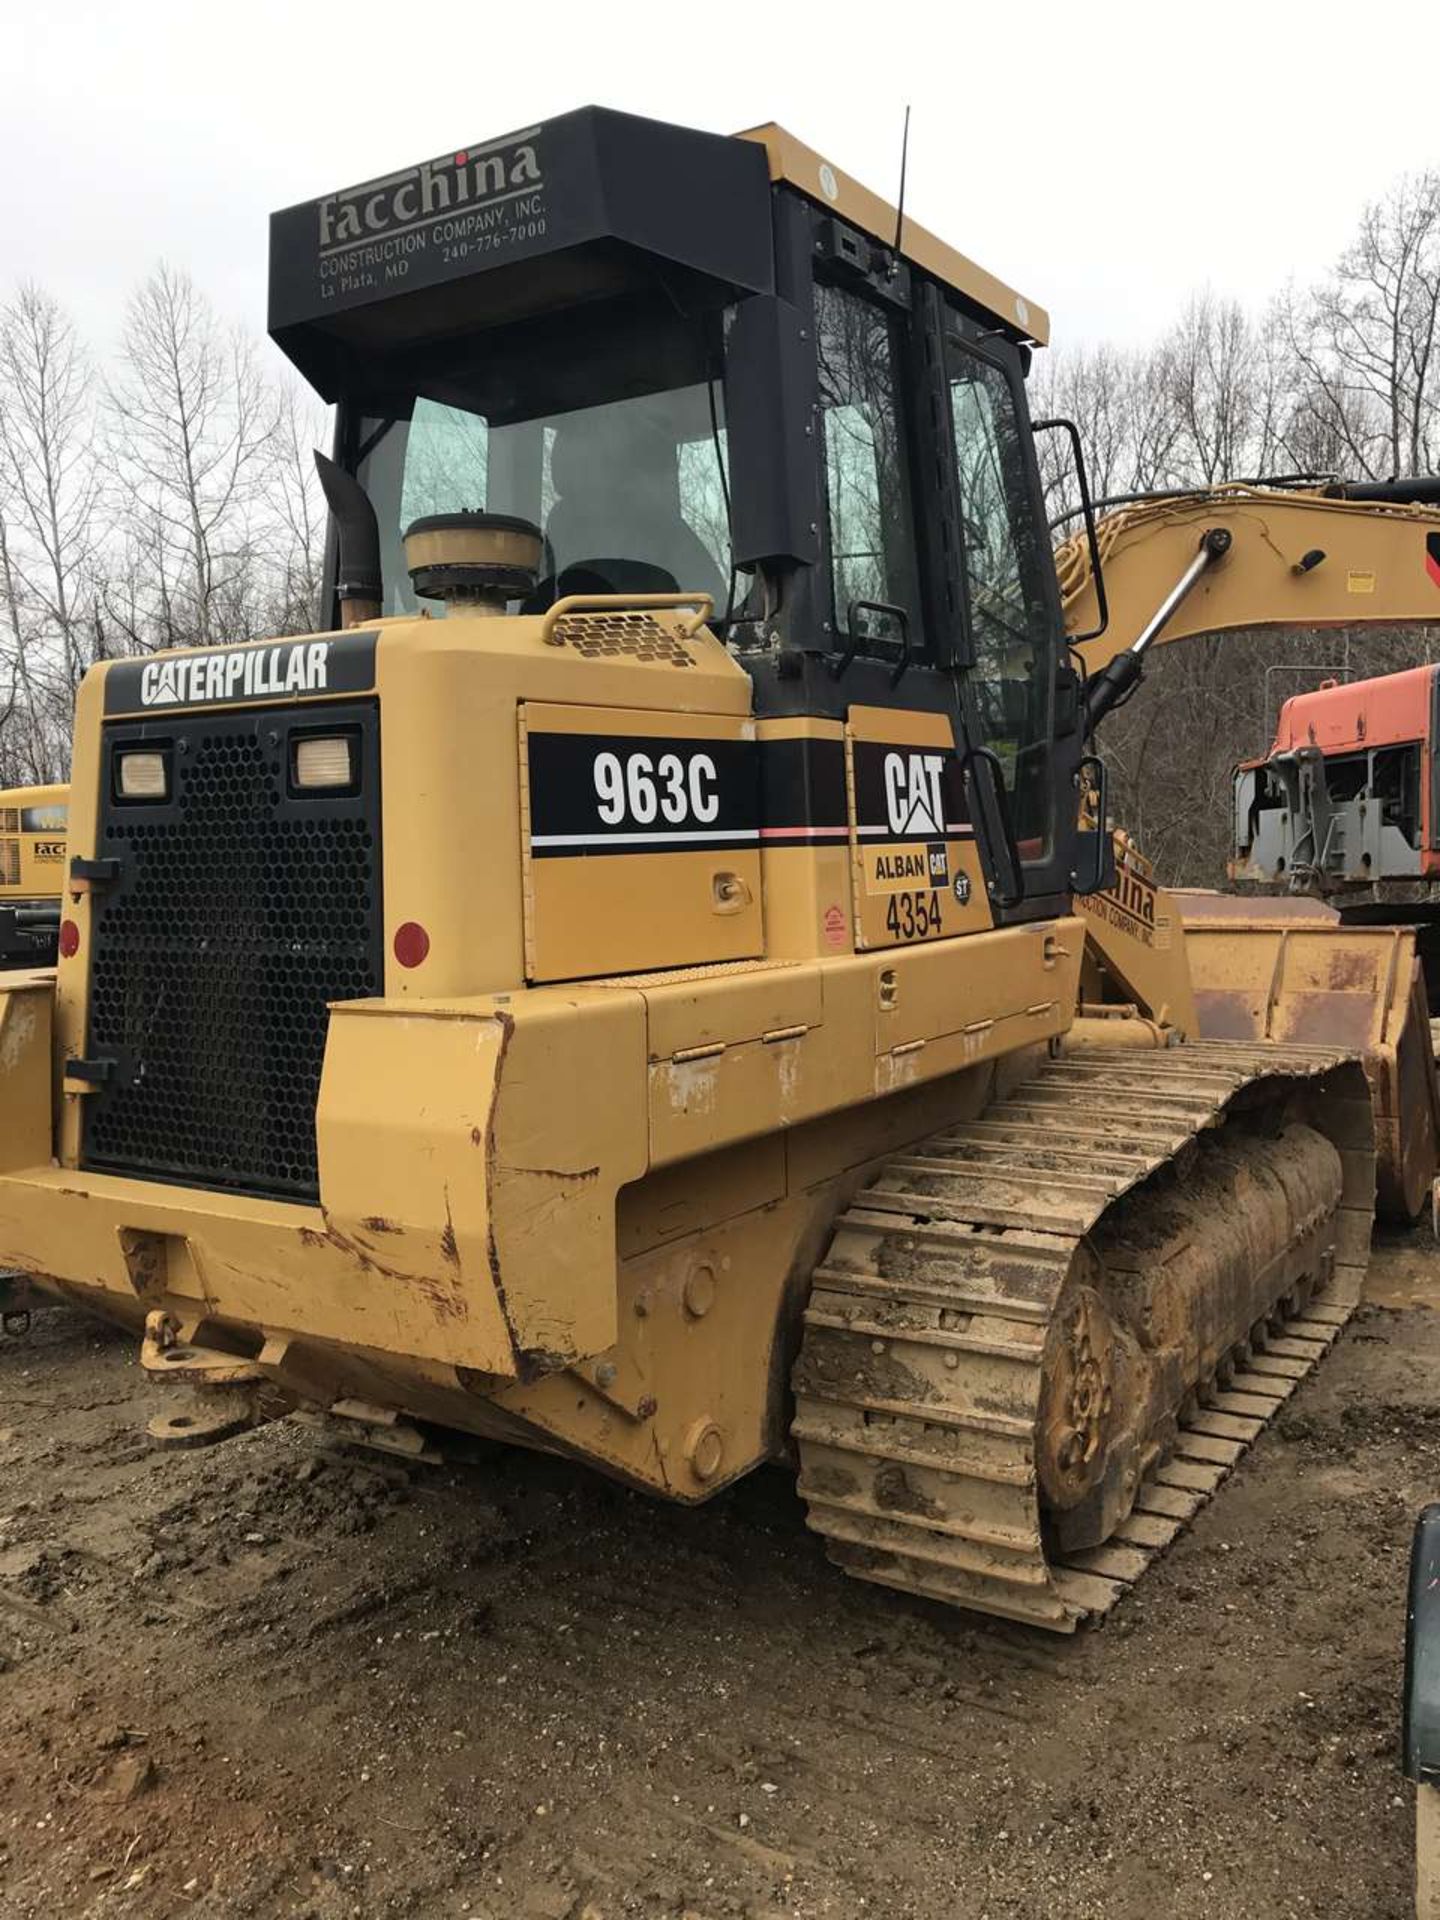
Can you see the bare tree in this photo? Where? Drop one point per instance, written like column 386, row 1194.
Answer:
column 1216, row 375
column 1089, row 386
column 12, row 658
column 1367, row 340
column 191, row 425
column 296, row 506
column 48, row 461
column 1124, row 403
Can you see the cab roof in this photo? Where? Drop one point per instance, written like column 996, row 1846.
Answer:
column 810, row 173
column 41, row 796
column 1385, row 711
column 370, row 279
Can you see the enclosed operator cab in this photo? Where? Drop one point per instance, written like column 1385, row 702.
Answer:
column 32, row 867
column 699, row 365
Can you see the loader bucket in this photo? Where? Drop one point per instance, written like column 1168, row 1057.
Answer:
column 1286, row 969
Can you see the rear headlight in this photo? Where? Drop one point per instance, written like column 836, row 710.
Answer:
column 141, row 776
column 325, row 760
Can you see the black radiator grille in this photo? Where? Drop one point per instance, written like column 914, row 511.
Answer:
column 240, row 910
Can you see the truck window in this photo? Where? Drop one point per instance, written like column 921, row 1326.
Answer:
column 872, row 536
column 44, row 819
column 1395, row 783
column 558, row 471
column 1009, row 619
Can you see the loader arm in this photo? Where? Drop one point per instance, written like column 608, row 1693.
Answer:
column 1293, row 559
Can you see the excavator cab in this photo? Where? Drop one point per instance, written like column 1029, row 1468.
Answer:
column 703, row 366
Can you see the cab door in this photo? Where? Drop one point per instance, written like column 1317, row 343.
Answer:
column 1013, row 610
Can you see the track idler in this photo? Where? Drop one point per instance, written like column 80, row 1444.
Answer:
column 1169, row 1283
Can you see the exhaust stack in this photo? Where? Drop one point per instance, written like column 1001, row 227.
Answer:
column 358, row 574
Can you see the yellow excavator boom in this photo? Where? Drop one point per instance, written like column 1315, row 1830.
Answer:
column 1295, row 558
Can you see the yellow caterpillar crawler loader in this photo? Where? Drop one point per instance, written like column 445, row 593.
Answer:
column 1256, row 968
column 615, row 989
column 32, row 867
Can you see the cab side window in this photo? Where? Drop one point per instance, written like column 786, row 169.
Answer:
column 871, row 524
column 1010, row 623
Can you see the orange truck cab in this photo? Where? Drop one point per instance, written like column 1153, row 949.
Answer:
column 1346, row 798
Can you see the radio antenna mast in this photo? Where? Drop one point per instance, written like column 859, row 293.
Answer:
column 900, row 204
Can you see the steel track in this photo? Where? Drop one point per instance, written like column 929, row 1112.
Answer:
column 918, row 1384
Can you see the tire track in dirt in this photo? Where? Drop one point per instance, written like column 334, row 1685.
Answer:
column 354, row 1694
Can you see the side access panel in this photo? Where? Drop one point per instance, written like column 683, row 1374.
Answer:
column 641, row 840
column 915, row 868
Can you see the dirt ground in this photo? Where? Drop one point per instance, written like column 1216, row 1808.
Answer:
column 264, row 1679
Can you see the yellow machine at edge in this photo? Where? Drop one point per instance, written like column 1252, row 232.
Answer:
column 618, row 989
column 32, row 869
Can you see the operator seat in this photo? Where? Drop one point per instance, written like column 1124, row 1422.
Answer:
column 616, row 517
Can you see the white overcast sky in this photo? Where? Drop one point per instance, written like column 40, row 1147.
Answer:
column 1105, row 158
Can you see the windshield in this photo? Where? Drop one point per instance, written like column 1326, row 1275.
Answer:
column 611, row 442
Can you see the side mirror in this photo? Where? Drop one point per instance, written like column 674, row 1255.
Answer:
column 1087, row 508
column 1094, row 868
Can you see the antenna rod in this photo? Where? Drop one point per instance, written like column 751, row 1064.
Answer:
column 900, row 205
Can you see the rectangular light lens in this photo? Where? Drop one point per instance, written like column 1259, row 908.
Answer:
column 324, row 761
column 142, row 776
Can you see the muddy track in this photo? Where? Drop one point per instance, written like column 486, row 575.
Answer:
column 268, row 1680
column 933, row 1319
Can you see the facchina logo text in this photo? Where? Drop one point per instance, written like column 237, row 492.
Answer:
column 469, row 178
